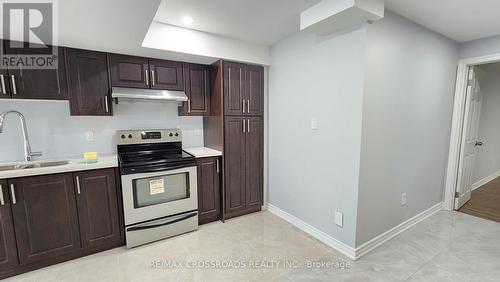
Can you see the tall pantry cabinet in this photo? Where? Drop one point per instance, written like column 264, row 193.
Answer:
column 236, row 127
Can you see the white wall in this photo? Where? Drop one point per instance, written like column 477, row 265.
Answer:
column 488, row 156
column 54, row 132
column 407, row 112
column 312, row 173
column 480, row 47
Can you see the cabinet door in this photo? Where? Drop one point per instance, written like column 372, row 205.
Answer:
column 45, row 84
column 166, row 75
column 8, row 250
column 234, row 88
column 129, row 71
column 234, row 165
column 45, row 216
column 197, row 88
column 4, row 79
column 254, row 162
column 88, row 83
column 254, row 93
column 208, row 190
column 97, row 207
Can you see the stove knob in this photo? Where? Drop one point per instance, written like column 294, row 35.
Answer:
column 123, row 136
column 130, row 136
column 171, row 134
column 176, row 134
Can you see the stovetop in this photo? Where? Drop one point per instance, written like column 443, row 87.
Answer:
column 161, row 154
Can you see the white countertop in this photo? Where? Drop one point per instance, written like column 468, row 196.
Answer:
column 203, row 152
column 75, row 164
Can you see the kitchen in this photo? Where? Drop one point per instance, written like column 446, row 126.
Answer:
column 173, row 190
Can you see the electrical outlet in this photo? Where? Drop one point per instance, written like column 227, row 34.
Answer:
column 314, row 123
column 89, row 136
column 403, row 199
column 339, row 218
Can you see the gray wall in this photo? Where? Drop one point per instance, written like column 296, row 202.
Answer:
column 488, row 156
column 312, row 173
column 407, row 110
column 481, row 47
column 54, row 132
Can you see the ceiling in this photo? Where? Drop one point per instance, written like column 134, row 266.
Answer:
column 258, row 21
column 460, row 20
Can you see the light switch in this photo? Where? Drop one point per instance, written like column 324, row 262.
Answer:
column 403, row 199
column 339, row 218
column 314, row 123
column 89, row 136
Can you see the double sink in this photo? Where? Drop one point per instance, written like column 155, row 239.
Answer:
column 36, row 164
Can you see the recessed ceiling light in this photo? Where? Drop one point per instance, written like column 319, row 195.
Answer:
column 187, row 20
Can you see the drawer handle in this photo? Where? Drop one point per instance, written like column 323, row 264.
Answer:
column 248, row 106
column 146, row 77
column 137, row 228
column 152, row 78
column 2, row 200
column 13, row 194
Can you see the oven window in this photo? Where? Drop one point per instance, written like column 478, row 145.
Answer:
column 160, row 189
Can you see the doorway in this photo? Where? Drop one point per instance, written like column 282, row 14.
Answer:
column 473, row 181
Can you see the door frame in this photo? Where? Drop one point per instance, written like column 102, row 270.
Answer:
column 458, row 124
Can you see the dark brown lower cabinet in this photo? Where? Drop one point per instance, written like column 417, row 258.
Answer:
column 208, row 170
column 97, row 208
column 243, row 165
column 45, row 216
column 8, row 250
column 53, row 218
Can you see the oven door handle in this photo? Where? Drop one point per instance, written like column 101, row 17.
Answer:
column 137, row 228
column 126, row 170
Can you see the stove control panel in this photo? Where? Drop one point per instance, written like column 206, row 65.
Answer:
column 129, row 137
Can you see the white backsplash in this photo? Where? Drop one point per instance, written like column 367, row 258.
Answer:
column 57, row 134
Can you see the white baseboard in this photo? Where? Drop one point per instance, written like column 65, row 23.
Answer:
column 386, row 236
column 350, row 252
column 314, row 232
column 485, row 180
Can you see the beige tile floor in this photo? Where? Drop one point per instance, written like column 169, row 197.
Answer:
column 448, row 246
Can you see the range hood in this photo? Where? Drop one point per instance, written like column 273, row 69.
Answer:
column 119, row 93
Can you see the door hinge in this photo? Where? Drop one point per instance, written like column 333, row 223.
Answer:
column 457, row 195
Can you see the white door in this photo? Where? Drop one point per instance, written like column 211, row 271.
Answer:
column 468, row 150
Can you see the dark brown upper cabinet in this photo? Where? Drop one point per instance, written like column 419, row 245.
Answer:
column 208, row 170
column 45, row 216
column 166, row 75
column 254, row 93
column 88, row 80
column 97, row 202
column 197, row 88
column 8, row 250
column 129, row 71
column 24, row 83
column 243, row 89
column 138, row 72
column 234, row 89
column 5, row 89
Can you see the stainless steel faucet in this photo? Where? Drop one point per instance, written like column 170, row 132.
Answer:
column 28, row 154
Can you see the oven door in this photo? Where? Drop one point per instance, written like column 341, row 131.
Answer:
column 148, row 196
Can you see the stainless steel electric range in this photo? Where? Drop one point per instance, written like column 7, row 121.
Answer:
column 159, row 185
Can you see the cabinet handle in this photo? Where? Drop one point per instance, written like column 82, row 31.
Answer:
column 243, row 125
column 78, row 185
column 152, row 78
column 13, row 194
column 217, row 165
column 248, row 106
column 243, row 108
column 2, row 200
column 146, row 77
column 189, row 105
column 14, row 88
column 2, row 80
column 106, row 105
column 248, row 126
